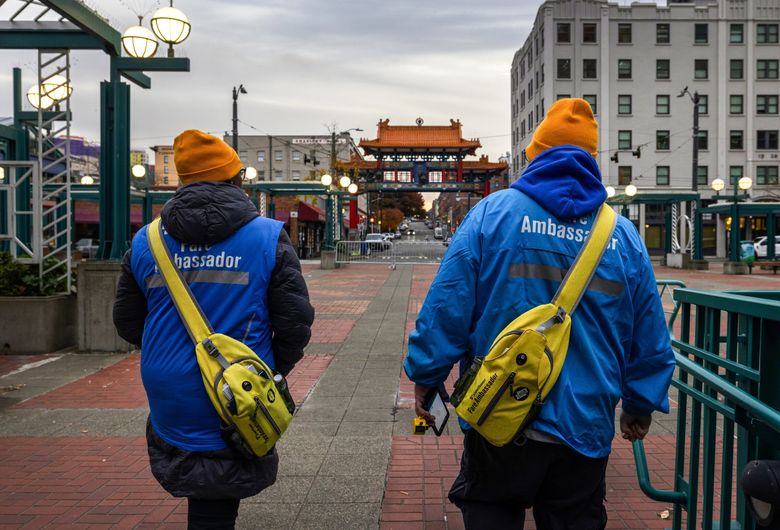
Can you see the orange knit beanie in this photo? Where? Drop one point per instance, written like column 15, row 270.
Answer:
column 569, row 121
column 202, row 157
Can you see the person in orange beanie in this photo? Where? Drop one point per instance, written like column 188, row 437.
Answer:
column 509, row 255
column 246, row 277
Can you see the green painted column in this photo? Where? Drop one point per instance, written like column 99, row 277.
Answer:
column 735, row 232
column 770, row 235
column 120, row 171
column 697, row 231
column 328, row 243
column 105, row 227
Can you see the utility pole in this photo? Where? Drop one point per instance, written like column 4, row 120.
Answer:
column 236, row 91
column 695, row 161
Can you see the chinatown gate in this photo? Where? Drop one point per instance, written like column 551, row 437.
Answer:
column 419, row 158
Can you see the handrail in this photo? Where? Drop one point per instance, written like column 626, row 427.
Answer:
column 732, row 302
column 643, row 474
column 676, row 309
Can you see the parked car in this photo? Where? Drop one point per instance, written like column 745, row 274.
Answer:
column 377, row 242
column 87, row 247
column 397, row 234
column 760, row 247
column 438, row 233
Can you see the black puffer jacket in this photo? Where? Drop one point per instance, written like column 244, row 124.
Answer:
column 206, row 213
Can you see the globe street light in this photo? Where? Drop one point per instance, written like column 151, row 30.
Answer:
column 139, row 42
column 631, row 190
column 171, row 26
column 610, row 191
column 345, row 181
column 352, row 188
column 718, row 185
column 745, row 183
column 87, row 180
column 37, row 100
column 138, row 171
column 250, row 173
column 56, row 87
column 326, row 180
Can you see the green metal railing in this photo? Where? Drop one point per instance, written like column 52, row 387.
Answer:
column 729, row 396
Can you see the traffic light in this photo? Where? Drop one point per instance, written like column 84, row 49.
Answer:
column 614, row 157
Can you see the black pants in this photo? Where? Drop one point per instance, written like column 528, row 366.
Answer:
column 212, row 514
column 497, row 484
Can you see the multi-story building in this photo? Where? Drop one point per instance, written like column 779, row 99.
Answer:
column 292, row 157
column 164, row 169
column 631, row 62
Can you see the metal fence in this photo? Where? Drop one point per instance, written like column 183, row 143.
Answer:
column 391, row 253
column 728, row 404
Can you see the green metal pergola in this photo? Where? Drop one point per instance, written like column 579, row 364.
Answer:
column 80, row 28
column 738, row 210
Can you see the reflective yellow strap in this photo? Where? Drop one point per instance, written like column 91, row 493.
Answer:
column 190, row 312
column 584, row 268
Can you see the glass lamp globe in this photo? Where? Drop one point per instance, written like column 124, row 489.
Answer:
column 86, row 179
column 56, row 87
column 251, row 173
column 345, row 181
column 353, row 188
column 170, row 25
column 326, row 180
column 139, row 42
column 2, row 174
column 610, row 191
column 718, row 184
column 37, row 100
column 631, row 190
column 745, row 183
column 138, row 171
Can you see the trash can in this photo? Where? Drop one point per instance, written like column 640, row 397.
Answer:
column 747, row 252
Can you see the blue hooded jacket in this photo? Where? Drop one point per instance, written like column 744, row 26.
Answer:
column 508, row 256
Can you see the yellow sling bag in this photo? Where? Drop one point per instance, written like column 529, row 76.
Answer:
column 502, row 394
column 254, row 403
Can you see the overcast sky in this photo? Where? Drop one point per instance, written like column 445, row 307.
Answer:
column 309, row 63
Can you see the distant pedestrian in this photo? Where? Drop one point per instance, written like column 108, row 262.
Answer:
column 244, row 273
column 509, row 255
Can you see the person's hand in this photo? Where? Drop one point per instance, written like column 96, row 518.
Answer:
column 634, row 427
column 420, row 392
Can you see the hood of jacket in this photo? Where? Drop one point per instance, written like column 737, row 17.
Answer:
column 204, row 213
column 565, row 180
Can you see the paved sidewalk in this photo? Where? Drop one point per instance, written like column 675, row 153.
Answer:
column 72, row 452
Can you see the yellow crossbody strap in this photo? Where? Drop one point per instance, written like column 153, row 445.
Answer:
column 190, row 312
column 584, row 267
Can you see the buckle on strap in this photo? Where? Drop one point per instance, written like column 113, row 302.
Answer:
column 558, row 318
column 213, row 351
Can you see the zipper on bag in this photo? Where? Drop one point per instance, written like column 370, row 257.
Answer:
column 493, row 402
column 267, row 415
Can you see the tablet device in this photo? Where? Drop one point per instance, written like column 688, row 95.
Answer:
column 435, row 404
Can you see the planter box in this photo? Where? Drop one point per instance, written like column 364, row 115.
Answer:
column 97, row 282
column 37, row 324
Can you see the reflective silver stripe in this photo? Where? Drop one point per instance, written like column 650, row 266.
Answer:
column 204, row 276
column 556, row 274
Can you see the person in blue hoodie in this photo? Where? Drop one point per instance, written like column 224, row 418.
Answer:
column 509, row 255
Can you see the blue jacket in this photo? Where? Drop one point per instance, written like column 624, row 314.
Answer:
column 509, row 255
column 230, row 279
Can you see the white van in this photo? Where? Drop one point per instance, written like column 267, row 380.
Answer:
column 438, row 233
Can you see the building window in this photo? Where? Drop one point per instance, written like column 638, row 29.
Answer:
column 766, row 69
column 624, row 68
column 735, row 173
column 766, row 140
column 165, row 159
column 704, row 104
column 624, row 175
column 591, row 99
column 701, row 33
column 662, row 175
column 736, row 140
column 766, row 34
column 530, row 90
column 564, row 69
column 624, row 140
column 702, row 175
column 766, row 175
column 589, row 69
column 703, row 140
column 701, row 69
column 562, row 96
column 662, row 104
column 541, row 71
column 736, row 104
column 296, row 175
column 261, row 156
column 522, row 99
column 261, row 174
column 243, row 156
column 766, row 104
column 736, row 69
column 662, row 140
column 624, row 104
column 278, row 174
column 296, row 156
column 278, row 156
column 736, row 34
column 624, row 33
column 563, row 35
column 165, row 169
column 589, row 34
column 662, row 34
column 662, row 68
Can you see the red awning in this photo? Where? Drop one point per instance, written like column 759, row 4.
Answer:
column 283, row 217
column 307, row 212
column 89, row 213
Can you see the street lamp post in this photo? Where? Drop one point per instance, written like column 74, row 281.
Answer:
column 744, row 184
column 236, row 91
column 695, row 204
column 333, row 207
